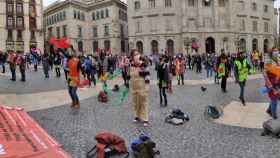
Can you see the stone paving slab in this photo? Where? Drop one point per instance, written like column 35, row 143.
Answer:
column 250, row 116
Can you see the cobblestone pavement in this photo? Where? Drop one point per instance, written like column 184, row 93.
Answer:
column 199, row 138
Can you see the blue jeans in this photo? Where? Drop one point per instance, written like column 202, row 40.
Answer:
column 273, row 108
column 13, row 72
column 209, row 72
column 73, row 94
column 3, row 67
column 242, row 87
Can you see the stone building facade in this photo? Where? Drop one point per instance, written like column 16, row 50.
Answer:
column 209, row 25
column 21, row 25
column 89, row 25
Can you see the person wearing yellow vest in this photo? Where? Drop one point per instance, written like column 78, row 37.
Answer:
column 255, row 58
column 242, row 68
column 223, row 72
column 74, row 65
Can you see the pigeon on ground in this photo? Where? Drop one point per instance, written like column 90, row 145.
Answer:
column 203, row 89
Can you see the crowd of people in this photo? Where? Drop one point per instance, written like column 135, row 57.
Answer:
column 136, row 73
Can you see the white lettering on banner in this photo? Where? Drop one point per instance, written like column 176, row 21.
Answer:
column 2, row 150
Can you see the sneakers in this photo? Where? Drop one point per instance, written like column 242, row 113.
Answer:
column 136, row 119
column 146, row 124
column 242, row 101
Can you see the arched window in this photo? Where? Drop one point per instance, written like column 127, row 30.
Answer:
column 170, row 47
column 80, row 46
column 242, row 45
column 95, row 46
column 139, row 46
column 210, row 45
column 265, row 45
column 107, row 45
column 154, row 46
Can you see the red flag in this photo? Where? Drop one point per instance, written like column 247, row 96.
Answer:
column 64, row 43
column 54, row 42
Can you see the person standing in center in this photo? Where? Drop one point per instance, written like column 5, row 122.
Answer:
column 242, row 68
column 75, row 68
column 223, row 71
column 140, row 87
column 163, row 79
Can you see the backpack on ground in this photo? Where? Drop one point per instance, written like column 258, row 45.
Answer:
column 177, row 117
column 108, row 145
column 143, row 147
column 271, row 127
column 212, row 112
column 102, row 97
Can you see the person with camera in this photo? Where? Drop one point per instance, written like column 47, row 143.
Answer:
column 21, row 62
column 163, row 79
column 140, row 79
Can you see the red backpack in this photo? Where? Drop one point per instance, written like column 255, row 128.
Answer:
column 108, row 145
column 102, row 97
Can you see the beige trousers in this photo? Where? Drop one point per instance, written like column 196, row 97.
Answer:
column 140, row 94
column 141, row 106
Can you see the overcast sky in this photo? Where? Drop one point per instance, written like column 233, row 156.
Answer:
column 48, row 2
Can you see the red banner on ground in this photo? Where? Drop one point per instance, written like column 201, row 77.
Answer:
column 22, row 137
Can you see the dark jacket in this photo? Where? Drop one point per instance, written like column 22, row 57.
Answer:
column 163, row 73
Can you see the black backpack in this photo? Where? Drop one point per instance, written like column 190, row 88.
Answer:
column 177, row 117
column 212, row 112
column 144, row 148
